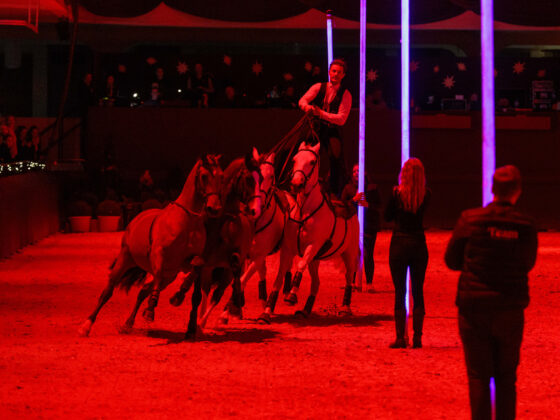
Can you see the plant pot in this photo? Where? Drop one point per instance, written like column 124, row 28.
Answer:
column 108, row 223
column 80, row 223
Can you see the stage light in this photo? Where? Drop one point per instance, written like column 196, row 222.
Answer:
column 329, row 39
column 135, row 95
column 179, row 90
column 362, row 120
column 488, row 108
column 405, row 105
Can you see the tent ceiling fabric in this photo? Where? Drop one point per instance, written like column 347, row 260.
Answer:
column 519, row 12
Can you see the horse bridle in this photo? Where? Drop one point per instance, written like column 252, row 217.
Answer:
column 268, row 194
column 306, row 177
column 206, row 195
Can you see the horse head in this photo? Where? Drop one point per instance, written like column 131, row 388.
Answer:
column 305, row 172
column 242, row 180
column 209, row 181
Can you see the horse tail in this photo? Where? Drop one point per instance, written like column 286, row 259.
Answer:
column 132, row 276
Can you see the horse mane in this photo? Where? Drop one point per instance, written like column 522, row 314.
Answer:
column 231, row 175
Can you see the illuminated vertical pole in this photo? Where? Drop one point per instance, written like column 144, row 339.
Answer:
column 488, row 124
column 405, row 103
column 329, row 40
column 362, row 118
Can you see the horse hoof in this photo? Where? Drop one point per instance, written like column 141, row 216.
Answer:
column 264, row 318
column 345, row 311
column 85, row 328
column 301, row 314
column 190, row 336
column 223, row 320
column 177, row 299
column 291, row 299
column 148, row 315
column 125, row 329
column 236, row 311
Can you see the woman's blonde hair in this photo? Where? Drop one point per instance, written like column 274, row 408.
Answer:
column 412, row 185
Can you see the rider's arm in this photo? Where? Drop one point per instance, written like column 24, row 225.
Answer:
column 304, row 102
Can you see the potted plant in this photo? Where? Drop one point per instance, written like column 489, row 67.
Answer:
column 79, row 214
column 109, row 213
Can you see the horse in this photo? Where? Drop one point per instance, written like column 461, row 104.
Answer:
column 229, row 236
column 314, row 232
column 163, row 242
column 269, row 231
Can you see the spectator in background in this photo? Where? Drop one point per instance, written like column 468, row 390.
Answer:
column 31, row 144
column 11, row 137
column 86, row 95
column 109, row 93
column 201, row 87
column 494, row 247
column 5, row 154
column 154, row 98
column 374, row 100
column 21, row 132
column 229, row 99
column 164, row 86
column 289, row 100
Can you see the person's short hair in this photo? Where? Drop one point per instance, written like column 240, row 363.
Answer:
column 506, row 181
column 339, row 62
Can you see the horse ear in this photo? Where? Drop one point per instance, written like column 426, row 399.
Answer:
column 256, row 154
column 316, row 147
column 302, row 145
column 270, row 158
column 250, row 162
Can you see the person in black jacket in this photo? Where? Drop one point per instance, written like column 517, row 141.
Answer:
column 408, row 249
column 494, row 247
column 372, row 223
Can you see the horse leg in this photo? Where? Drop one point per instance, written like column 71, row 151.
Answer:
column 313, row 269
column 310, row 252
column 286, row 258
column 121, row 265
column 142, row 295
column 179, row 296
column 149, row 312
column 196, row 299
column 223, row 282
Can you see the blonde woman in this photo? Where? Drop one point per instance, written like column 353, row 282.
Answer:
column 408, row 248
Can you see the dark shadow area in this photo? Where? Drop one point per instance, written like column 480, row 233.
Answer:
column 241, row 335
column 327, row 320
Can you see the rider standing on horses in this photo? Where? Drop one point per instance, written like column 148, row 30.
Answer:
column 330, row 104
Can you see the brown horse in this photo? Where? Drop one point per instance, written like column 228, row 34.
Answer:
column 229, row 236
column 164, row 242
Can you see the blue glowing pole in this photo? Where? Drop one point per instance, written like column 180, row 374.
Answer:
column 362, row 117
column 329, row 39
column 405, row 102
column 405, row 81
column 488, row 123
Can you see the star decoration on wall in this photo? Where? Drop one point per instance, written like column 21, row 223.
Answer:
column 461, row 66
column 308, row 66
column 372, row 75
column 414, row 65
column 121, row 68
column 151, row 61
column 541, row 73
column 518, row 67
column 436, row 69
column 288, row 77
column 182, row 67
column 449, row 82
column 227, row 60
column 257, row 68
